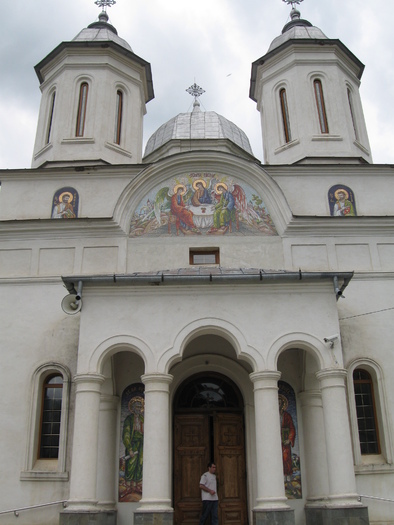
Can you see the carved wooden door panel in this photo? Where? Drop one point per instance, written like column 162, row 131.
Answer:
column 230, row 463
column 191, row 455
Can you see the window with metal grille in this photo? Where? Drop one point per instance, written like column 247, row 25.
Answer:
column 51, row 417
column 366, row 413
column 285, row 115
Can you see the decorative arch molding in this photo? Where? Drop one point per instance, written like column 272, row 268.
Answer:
column 382, row 408
column 303, row 341
column 176, row 166
column 120, row 343
column 210, row 326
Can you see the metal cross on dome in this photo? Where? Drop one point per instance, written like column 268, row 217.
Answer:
column 195, row 91
column 105, row 3
column 292, row 2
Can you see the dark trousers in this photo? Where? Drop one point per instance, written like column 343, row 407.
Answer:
column 209, row 508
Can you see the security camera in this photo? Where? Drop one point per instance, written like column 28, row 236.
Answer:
column 331, row 338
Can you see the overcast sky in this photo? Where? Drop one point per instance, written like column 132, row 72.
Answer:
column 211, row 42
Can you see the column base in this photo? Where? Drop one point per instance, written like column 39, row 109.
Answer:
column 342, row 515
column 104, row 517
column 274, row 517
column 153, row 518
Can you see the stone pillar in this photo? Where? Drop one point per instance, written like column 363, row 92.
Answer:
column 156, row 483
column 83, row 499
column 342, row 505
column 271, row 500
column 314, row 446
column 107, row 446
column 341, row 478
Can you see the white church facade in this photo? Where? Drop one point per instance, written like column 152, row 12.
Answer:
column 193, row 304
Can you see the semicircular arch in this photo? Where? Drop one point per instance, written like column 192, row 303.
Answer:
column 210, row 326
column 303, row 341
column 120, row 343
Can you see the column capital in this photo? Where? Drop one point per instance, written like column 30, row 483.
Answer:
column 88, row 382
column 157, row 381
column 265, row 379
column 332, row 377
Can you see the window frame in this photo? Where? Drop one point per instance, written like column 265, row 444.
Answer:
column 119, row 116
column 36, row 468
column 371, row 462
column 352, row 114
column 366, row 381
column 50, row 119
column 320, row 106
column 82, row 105
column 193, row 252
column 45, row 387
column 285, row 114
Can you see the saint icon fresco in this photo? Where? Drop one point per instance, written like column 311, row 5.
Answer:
column 65, row 204
column 341, row 200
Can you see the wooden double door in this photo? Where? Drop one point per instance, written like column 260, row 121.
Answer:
column 198, row 439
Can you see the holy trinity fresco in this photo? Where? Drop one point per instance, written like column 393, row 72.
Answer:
column 341, row 200
column 202, row 204
column 290, row 444
column 131, row 443
column 65, row 204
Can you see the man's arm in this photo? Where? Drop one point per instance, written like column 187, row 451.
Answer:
column 206, row 489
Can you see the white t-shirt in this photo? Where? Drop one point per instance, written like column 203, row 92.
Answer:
column 209, row 480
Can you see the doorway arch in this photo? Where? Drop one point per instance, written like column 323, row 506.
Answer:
column 209, row 426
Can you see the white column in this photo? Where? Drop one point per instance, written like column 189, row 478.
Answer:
column 270, row 485
column 341, row 478
column 314, row 445
column 156, row 477
column 106, row 463
column 85, row 442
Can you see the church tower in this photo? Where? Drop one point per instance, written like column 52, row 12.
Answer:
column 307, row 91
column 94, row 91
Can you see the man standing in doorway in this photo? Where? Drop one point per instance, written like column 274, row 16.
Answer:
column 209, row 495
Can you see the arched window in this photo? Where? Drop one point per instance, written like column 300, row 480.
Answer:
column 285, row 115
column 51, row 411
column 81, row 116
column 118, row 116
column 350, row 99
column 321, row 108
column 366, row 412
column 50, row 120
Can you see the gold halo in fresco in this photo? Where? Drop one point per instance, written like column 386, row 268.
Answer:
column 341, row 190
column 202, row 181
column 220, row 185
column 66, row 193
column 176, row 188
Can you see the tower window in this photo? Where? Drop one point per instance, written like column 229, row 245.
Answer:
column 350, row 99
column 83, row 99
column 51, row 417
column 366, row 412
column 51, row 117
column 285, row 115
column 118, row 117
column 321, row 108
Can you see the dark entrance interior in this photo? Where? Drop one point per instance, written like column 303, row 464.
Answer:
column 208, row 426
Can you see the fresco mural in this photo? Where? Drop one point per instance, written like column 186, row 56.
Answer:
column 131, row 443
column 342, row 202
column 65, row 204
column 290, row 444
column 202, row 204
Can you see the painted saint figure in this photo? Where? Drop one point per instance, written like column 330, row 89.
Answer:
column 288, row 433
column 343, row 207
column 184, row 217
column 224, row 210
column 133, row 440
column 64, row 209
column 201, row 194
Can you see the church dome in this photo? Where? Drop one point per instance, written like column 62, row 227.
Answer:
column 101, row 31
column 297, row 29
column 198, row 125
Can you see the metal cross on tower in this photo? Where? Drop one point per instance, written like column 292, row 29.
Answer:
column 105, row 3
column 292, row 2
column 195, row 91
